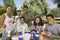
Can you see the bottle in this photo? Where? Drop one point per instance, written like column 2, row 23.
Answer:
column 31, row 38
column 32, row 35
column 41, row 37
column 8, row 38
column 8, row 35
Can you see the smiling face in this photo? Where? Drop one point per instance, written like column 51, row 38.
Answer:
column 37, row 20
column 8, row 10
column 25, row 9
column 50, row 20
column 22, row 20
column 18, row 13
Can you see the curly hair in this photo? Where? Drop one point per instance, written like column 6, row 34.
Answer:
column 40, row 23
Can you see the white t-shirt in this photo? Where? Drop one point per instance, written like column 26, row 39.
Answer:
column 17, row 19
column 22, row 28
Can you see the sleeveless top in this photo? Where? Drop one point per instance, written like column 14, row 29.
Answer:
column 8, row 21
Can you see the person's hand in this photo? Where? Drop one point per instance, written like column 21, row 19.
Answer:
column 4, row 26
column 17, row 34
column 49, row 35
column 29, row 28
column 8, row 38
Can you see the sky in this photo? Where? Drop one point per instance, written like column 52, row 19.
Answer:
column 51, row 4
column 20, row 2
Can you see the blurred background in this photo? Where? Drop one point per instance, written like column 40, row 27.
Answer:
column 37, row 7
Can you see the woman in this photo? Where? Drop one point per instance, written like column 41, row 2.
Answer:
column 38, row 23
column 8, row 21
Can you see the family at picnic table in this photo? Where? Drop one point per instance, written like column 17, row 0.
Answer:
column 28, row 23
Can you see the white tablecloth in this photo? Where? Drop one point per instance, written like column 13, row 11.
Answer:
column 24, row 36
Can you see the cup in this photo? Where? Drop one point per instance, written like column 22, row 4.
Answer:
column 20, row 33
column 33, row 33
column 36, row 37
column 20, row 38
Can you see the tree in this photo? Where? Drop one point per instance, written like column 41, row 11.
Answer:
column 2, row 10
column 55, row 12
column 10, row 2
column 57, row 2
column 38, row 7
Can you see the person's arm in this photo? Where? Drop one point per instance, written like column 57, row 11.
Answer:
column 15, row 27
column 32, row 27
column 55, row 37
column 2, row 18
column 1, row 25
column 58, row 30
column 30, row 18
column 26, row 29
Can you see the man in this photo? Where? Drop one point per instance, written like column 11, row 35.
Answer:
column 52, row 27
column 22, row 27
column 7, row 22
column 28, row 15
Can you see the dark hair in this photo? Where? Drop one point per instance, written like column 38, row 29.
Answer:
column 26, row 6
column 33, row 30
column 50, row 15
column 18, row 10
column 8, row 6
column 22, row 17
column 40, row 23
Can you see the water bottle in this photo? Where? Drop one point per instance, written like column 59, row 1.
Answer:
column 36, row 37
column 8, row 35
column 32, row 35
column 32, row 38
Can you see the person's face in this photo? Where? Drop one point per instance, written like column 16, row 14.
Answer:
column 25, row 9
column 37, row 20
column 50, row 20
column 8, row 10
column 18, row 13
column 21, row 20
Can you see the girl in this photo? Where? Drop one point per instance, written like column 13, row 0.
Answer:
column 37, row 24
